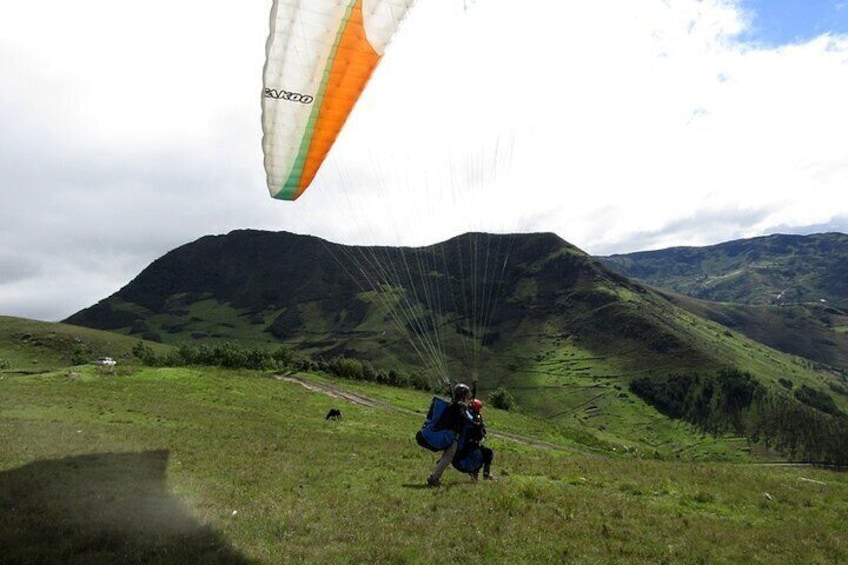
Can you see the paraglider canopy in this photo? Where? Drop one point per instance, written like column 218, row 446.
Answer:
column 319, row 57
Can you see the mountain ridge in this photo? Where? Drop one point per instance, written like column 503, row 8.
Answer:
column 537, row 276
column 772, row 269
column 530, row 312
column 789, row 292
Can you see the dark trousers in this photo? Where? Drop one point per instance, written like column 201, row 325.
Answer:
column 488, row 456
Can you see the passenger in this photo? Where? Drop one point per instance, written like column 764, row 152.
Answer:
column 474, row 441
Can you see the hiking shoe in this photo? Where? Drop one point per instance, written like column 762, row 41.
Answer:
column 489, row 477
column 473, row 477
column 431, row 482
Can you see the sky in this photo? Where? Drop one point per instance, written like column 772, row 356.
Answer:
column 130, row 129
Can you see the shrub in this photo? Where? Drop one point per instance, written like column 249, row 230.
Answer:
column 817, row 399
column 144, row 353
column 79, row 356
column 502, row 399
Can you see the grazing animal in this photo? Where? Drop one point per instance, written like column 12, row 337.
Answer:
column 334, row 414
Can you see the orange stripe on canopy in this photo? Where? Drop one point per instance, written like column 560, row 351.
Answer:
column 352, row 67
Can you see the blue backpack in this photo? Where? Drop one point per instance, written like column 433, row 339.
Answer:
column 436, row 434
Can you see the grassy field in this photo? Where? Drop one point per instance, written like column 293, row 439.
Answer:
column 140, row 465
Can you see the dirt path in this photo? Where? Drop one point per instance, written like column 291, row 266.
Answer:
column 335, row 392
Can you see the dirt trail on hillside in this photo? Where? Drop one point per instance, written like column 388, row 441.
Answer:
column 332, row 391
column 362, row 400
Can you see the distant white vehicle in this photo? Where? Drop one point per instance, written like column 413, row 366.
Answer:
column 106, row 362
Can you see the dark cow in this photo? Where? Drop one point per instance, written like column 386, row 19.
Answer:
column 334, row 414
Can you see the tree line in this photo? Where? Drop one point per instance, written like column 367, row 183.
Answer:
column 283, row 358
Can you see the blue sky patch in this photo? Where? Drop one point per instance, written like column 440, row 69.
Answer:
column 779, row 22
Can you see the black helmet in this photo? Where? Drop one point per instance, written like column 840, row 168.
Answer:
column 461, row 392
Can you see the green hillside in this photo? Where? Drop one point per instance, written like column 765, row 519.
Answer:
column 788, row 292
column 31, row 346
column 815, row 331
column 204, row 465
